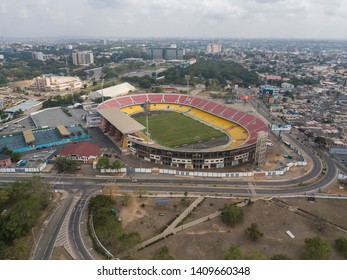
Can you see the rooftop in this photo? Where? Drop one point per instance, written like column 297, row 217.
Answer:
column 81, row 149
column 122, row 121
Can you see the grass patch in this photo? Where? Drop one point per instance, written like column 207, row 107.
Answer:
column 173, row 129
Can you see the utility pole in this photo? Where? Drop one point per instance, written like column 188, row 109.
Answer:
column 187, row 77
column 102, row 90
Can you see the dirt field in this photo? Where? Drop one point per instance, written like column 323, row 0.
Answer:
column 210, row 239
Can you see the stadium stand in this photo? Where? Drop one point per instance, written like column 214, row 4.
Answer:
column 132, row 109
column 170, row 98
column 139, row 99
column 124, row 101
column 155, row 98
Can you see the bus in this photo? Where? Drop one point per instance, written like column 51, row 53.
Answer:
column 286, row 143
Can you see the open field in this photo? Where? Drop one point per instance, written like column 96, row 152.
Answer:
column 174, row 129
column 211, row 239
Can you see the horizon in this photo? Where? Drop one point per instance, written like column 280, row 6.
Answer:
column 260, row 19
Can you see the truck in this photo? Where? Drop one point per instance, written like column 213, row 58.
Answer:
column 289, row 156
column 22, row 162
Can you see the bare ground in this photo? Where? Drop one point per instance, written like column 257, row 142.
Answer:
column 210, row 240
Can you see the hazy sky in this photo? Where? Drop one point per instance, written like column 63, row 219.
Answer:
column 174, row 18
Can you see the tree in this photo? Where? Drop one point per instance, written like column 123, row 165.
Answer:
column 233, row 253
column 64, row 164
column 162, row 254
column 15, row 156
column 254, row 232
column 117, row 164
column 103, row 163
column 320, row 141
column 21, row 219
column 129, row 240
column 341, row 244
column 231, row 214
column 317, row 249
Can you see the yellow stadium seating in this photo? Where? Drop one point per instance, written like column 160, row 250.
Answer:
column 132, row 109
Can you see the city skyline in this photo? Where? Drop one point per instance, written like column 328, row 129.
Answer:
column 276, row 19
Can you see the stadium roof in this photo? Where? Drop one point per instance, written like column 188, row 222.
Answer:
column 114, row 91
column 28, row 136
column 23, row 106
column 122, row 121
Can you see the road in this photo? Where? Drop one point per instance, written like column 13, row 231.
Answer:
column 45, row 240
column 63, row 228
column 78, row 246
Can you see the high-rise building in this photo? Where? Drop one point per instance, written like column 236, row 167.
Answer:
column 165, row 53
column 83, row 58
column 216, row 48
column 213, row 48
column 38, row 56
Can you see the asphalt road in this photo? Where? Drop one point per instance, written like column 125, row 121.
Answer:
column 45, row 240
column 77, row 243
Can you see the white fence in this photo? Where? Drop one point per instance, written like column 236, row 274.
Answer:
column 218, row 174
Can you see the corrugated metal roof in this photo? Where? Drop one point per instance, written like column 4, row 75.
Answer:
column 121, row 121
column 23, row 106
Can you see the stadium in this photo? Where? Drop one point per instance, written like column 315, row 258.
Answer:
column 185, row 131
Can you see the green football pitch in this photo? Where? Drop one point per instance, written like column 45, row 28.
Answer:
column 174, row 130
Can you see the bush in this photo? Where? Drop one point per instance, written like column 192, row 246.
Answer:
column 231, row 214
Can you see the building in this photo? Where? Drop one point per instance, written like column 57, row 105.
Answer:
column 213, row 49
column 287, row 86
column 268, row 98
column 56, row 83
column 165, row 53
column 38, row 56
column 24, row 106
column 83, row 58
column 83, row 151
column 114, row 91
column 5, row 160
column 264, row 89
column 42, row 57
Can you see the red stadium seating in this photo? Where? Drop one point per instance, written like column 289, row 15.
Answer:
column 246, row 119
column 218, row 109
column 209, row 106
column 238, row 116
column 182, row 98
column 124, row 101
column 140, row 99
column 195, row 102
column 202, row 104
column 170, row 98
column 155, row 98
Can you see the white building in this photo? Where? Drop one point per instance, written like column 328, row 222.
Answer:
column 115, row 91
column 56, row 83
column 83, row 58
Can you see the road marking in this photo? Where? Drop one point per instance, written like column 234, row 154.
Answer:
column 251, row 188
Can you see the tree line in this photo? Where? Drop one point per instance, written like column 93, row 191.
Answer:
column 21, row 205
